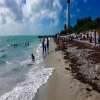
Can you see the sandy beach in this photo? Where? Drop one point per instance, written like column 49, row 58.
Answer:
column 62, row 85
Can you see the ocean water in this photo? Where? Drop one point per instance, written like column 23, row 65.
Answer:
column 20, row 78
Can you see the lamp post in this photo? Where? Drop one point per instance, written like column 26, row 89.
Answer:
column 68, row 2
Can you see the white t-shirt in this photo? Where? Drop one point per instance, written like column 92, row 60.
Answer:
column 45, row 42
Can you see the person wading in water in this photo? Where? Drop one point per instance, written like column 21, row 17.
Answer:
column 33, row 57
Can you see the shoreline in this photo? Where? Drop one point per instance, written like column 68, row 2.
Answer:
column 35, row 76
column 62, row 85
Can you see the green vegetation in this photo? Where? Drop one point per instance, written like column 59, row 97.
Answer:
column 83, row 25
column 86, row 24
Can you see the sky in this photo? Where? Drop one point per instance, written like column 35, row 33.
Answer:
column 37, row 17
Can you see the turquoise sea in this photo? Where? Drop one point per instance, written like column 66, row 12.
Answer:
column 19, row 76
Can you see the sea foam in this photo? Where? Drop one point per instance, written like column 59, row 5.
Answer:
column 36, row 77
column 27, row 89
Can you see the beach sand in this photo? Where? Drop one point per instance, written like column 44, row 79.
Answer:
column 62, row 85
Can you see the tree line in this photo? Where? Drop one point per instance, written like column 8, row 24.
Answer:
column 82, row 25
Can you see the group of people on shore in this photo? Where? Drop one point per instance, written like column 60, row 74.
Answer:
column 45, row 45
column 45, row 48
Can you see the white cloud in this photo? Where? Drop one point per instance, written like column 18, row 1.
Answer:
column 24, row 12
column 38, row 9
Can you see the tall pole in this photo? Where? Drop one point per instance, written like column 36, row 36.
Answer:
column 68, row 2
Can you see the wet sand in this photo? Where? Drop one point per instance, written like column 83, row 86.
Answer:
column 62, row 85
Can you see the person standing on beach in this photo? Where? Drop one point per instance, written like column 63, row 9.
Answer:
column 95, row 37
column 43, row 46
column 47, row 44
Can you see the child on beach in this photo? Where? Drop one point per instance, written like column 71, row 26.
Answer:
column 33, row 57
